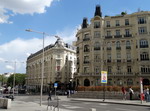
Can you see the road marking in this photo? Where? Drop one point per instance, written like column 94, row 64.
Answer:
column 103, row 104
column 121, row 109
column 71, row 107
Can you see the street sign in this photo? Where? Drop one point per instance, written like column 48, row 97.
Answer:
column 55, row 85
column 103, row 76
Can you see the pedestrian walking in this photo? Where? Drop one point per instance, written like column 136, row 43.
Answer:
column 146, row 92
column 124, row 93
column 131, row 92
column 49, row 95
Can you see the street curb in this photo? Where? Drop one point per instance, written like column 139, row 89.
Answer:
column 111, row 102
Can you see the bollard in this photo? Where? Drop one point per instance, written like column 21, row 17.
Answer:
column 92, row 109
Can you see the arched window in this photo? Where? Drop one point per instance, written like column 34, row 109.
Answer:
column 97, row 46
column 128, row 43
column 143, row 43
column 86, row 48
column 119, row 82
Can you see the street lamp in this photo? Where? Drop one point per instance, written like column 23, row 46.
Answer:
column 43, row 33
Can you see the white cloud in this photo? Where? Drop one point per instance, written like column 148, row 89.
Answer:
column 21, row 7
column 19, row 49
column 9, row 67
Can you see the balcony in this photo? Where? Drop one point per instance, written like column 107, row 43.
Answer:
column 118, row 36
column 107, row 25
column 145, row 59
column 97, row 48
column 108, row 37
column 129, row 60
column 128, row 35
column 87, row 50
column 118, row 48
column 86, row 62
column 128, row 47
column 143, row 46
column 118, row 60
column 86, row 39
column 108, row 48
column 108, row 60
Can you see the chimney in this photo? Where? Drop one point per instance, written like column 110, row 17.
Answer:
column 98, row 11
column 84, row 24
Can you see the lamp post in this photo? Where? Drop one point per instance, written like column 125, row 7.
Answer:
column 14, row 74
column 43, row 33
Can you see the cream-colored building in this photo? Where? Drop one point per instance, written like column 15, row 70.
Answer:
column 59, row 66
column 116, row 44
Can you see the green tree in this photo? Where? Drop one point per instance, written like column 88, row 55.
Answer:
column 3, row 79
column 19, row 79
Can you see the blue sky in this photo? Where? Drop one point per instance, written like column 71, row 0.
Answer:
column 55, row 17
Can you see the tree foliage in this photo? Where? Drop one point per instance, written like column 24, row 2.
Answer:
column 19, row 79
column 3, row 79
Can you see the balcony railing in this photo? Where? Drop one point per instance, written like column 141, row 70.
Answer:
column 128, row 47
column 87, row 50
column 108, row 60
column 86, row 39
column 118, row 48
column 128, row 60
column 128, row 35
column 86, row 62
column 97, row 48
column 118, row 60
column 146, row 59
column 117, row 36
column 108, row 37
column 143, row 46
column 108, row 48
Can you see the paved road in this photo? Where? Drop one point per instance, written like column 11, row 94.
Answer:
column 65, row 103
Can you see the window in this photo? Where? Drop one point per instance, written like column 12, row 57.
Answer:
column 107, row 23
column 109, row 70
column 117, row 23
column 97, row 34
column 118, row 45
column 143, row 43
column 144, row 56
column 108, row 33
column 129, row 82
column 110, row 82
column 86, row 48
column 86, row 58
column 97, row 46
column 128, row 56
column 141, row 20
column 126, row 21
column 117, row 32
column 119, row 56
column 129, row 69
column 128, row 45
column 78, row 38
column 118, row 69
column 145, row 69
column 77, row 50
column 96, row 58
column 97, row 71
column 142, row 30
column 96, row 24
column 109, row 56
column 86, row 69
column 86, row 37
column 127, row 32
column 108, row 46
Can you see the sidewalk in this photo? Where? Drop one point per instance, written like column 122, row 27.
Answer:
column 113, row 101
column 29, row 106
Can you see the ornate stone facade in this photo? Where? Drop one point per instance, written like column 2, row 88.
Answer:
column 116, row 44
column 59, row 66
